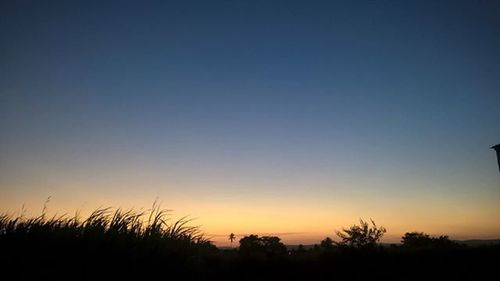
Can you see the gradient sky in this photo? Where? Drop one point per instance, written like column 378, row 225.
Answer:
column 287, row 117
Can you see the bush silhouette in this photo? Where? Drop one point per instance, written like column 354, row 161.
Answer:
column 250, row 244
column 361, row 236
column 420, row 240
column 416, row 240
column 268, row 245
column 326, row 244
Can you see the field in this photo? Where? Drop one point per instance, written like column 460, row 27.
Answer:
column 117, row 244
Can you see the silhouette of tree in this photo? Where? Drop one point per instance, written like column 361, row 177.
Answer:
column 231, row 238
column 250, row 244
column 443, row 241
column 273, row 246
column 301, row 248
column 269, row 245
column 416, row 240
column 361, row 236
column 419, row 240
column 326, row 244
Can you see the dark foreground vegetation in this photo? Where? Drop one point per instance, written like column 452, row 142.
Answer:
column 113, row 245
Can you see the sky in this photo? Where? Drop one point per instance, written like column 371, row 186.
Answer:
column 291, row 118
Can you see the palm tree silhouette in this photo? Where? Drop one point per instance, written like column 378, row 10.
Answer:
column 231, row 238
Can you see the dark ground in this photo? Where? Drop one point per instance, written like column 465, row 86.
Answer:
column 27, row 258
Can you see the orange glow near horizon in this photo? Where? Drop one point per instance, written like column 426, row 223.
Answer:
column 295, row 219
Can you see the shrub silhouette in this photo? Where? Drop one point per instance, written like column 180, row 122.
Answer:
column 361, row 236
column 268, row 245
column 301, row 249
column 416, row 240
column 250, row 243
column 420, row 240
column 326, row 244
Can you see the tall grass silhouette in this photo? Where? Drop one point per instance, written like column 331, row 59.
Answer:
column 110, row 243
column 108, row 222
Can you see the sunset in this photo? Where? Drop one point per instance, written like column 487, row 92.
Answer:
column 289, row 119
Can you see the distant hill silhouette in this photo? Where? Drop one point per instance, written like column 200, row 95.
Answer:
column 479, row 242
column 470, row 243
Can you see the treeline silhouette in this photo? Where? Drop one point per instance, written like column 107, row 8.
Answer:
column 125, row 244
